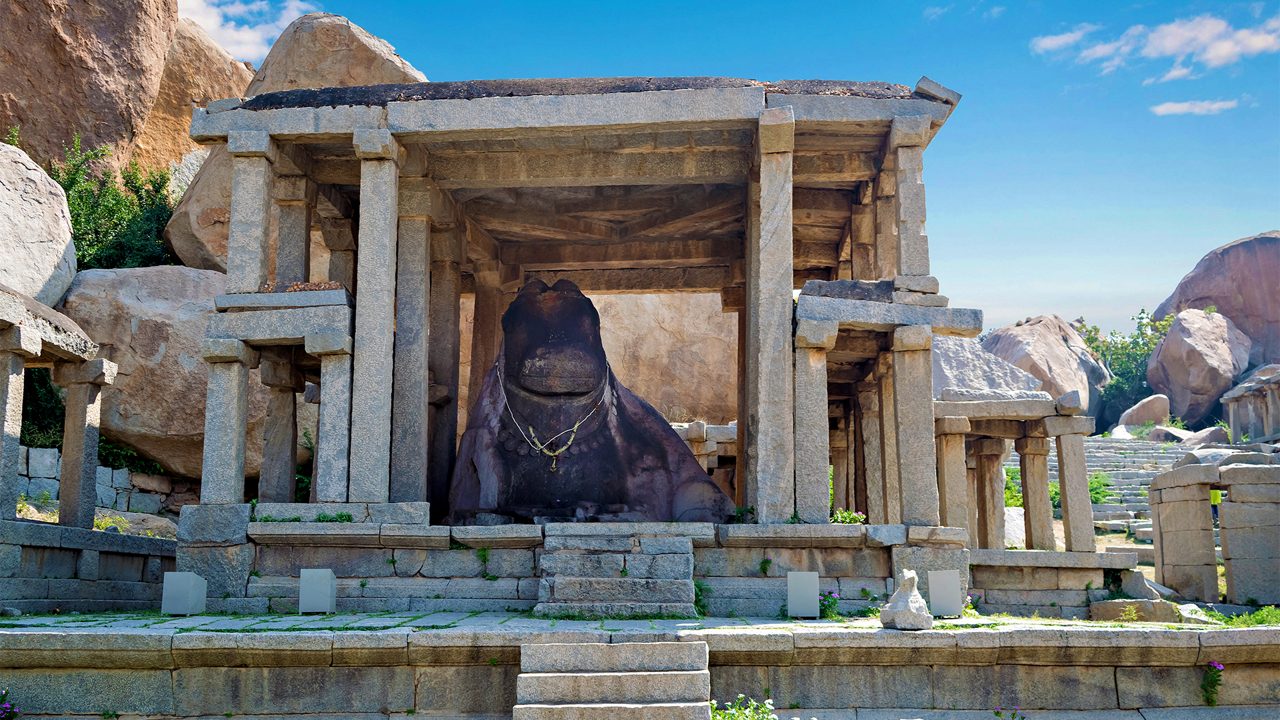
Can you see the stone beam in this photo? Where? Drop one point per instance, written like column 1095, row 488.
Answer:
column 884, row 317
column 661, row 167
column 641, row 280
column 682, row 252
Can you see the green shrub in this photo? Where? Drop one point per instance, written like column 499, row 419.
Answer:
column 744, row 708
column 1269, row 615
column 115, row 455
column 1012, row 487
column 115, row 222
column 847, row 517
column 1126, row 356
column 42, row 412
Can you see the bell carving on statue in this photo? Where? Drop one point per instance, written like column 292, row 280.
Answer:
column 553, row 434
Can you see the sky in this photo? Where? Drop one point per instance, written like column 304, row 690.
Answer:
column 1099, row 151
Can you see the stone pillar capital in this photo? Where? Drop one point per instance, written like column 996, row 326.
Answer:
column 21, row 341
column 251, row 143
column 377, row 144
column 777, row 130
column 817, row 334
column 951, row 425
column 90, row 372
column 228, row 350
column 1031, row 446
column 327, row 344
column 912, row 337
column 909, row 131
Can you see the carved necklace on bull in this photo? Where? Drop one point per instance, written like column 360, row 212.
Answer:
column 545, row 446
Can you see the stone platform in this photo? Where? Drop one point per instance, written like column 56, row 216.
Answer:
column 465, row 665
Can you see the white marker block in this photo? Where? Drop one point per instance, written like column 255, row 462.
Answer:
column 317, row 591
column 183, row 594
column 944, row 593
column 802, row 594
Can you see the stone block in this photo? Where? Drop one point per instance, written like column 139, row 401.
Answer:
column 1249, row 474
column 184, row 594
column 1193, row 547
column 792, row 535
column 924, row 559
column 886, row 535
column 317, row 591
column 1269, row 493
column 1186, row 475
column 928, row 535
column 308, row 534
column 87, row 565
column 1029, row 687
column 10, row 560
column 1014, row 578
column 43, row 462
column 498, row 536
column 224, row 568
column 666, row 545
column 1186, row 493
column 286, row 691
column 105, row 495
column 1260, row 542
column 635, row 688
column 1235, row 514
column 86, row 692
column 144, row 502
column 618, row 657
column 359, row 562
column 702, row 534
column 1253, row 580
column 38, row 487
column 121, row 479
column 23, row 460
column 401, row 513
column 581, row 565
column 667, row 567
column 1077, row 598
column 575, row 589
column 419, row 536
column 1194, row 582
column 462, row 691
column 1079, row 578
column 510, row 563
column 592, row 544
column 452, row 563
column 213, row 524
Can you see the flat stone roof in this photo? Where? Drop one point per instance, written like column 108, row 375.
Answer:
column 380, row 95
column 60, row 335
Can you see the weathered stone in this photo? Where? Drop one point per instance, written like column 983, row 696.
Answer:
column 581, row 565
column 1050, row 349
column 906, row 609
column 40, row 259
column 225, row 569
column 1152, row 409
column 923, row 559
column 498, row 536
column 290, row 690
column 576, row 589
column 963, row 371
column 673, row 567
column 1197, row 361
column 213, row 524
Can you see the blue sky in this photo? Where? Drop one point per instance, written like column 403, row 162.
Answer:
column 1100, row 149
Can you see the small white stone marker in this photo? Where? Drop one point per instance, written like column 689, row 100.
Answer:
column 183, row 594
column 802, row 594
column 317, row 591
column 944, row 593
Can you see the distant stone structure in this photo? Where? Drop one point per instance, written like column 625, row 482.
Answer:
column 1252, row 408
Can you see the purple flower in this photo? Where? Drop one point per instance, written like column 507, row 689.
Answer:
column 1215, row 665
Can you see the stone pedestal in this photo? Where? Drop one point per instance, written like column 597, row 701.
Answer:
column 1182, row 530
column 1250, row 526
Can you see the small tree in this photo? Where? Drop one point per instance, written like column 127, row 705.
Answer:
column 1126, row 356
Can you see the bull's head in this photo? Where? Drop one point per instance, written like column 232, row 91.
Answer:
column 552, row 341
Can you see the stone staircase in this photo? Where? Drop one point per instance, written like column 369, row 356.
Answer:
column 620, row 681
column 1131, row 465
column 615, row 570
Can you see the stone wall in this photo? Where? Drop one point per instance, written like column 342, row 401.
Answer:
column 468, row 669
column 52, row 568
column 118, row 489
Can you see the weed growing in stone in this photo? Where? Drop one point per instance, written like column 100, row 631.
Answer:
column 827, row 604
column 1210, row 683
column 700, row 592
column 743, row 708
column 1014, row 714
column 1129, row 614
column 765, row 564
column 1269, row 615
column 342, row 517
column 7, row 710
column 848, row 517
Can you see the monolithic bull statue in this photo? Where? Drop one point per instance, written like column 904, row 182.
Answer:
column 554, row 434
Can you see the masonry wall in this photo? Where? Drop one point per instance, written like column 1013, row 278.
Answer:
column 118, row 489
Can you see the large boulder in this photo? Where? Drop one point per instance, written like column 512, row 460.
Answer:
column 38, row 257
column 196, row 70
column 84, row 68
column 1239, row 281
column 1050, row 349
column 151, row 322
column 1197, row 361
column 1153, row 409
column 962, row 370
column 677, row 351
column 316, row 50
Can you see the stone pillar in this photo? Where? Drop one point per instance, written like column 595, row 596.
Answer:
column 908, row 135
column 973, row 497
column 812, row 427
column 1233, row 421
column 886, row 224
column 868, row 394
column 410, row 404
column 1073, row 489
column 857, row 464
column 1250, row 520
column 295, row 196
column 1272, row 393
column 280, row 436
column 340, row 239
column 486, row 328
column 1033, row 455
column 953, row 485
column 1182, row 531
column 251, row 154
column 442, row 360
column 78, row 491
column 913, row 412
column 743, row 491
column 330, row 479
column 841, row 477
column 373, row 358
column 16, row 344
column 890, row 471
column 225, row 420
column 990, row 500
column 770, row 449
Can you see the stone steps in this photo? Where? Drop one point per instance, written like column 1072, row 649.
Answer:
column 619, row 681
column 615, row 572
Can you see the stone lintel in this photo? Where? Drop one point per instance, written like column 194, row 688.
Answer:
column 933, row 89
column 91, row 372
column 777, row 130
column 1056, row 425
column 251, row 143
column 833, row 111
column 816, row 334
column 989, row 446
column 912, row 337
column 909, row 131
column 1249, row 474
column 792, row 535
column 223, row 350
column 498, row 536
column 1031, row 446
column 22, row 341
column 1025, row 409
column 1186, row 475
column 376, row 144
column 951, row 425
column 1049, row 558
column 287, row 326
column 327, row 343
column 916, row 283
column 282, row 300
column 884, row 317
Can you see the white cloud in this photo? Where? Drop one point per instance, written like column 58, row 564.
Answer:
column 933, row 12
column 1053, row 43
column 1194, row 107
column 1207, row 40
column 994, row 12
column 245, row 29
